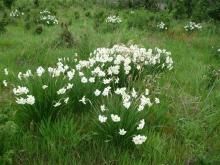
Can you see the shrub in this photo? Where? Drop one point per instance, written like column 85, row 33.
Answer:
column 2, row 7
column 8, row 3
column 148, row 4
column 197, row 9
column 36, row 3
column 200, row 11
column 181, row 9
column 213, row 11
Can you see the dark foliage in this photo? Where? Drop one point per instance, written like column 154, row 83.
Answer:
column 8, row 3
column 39, row 29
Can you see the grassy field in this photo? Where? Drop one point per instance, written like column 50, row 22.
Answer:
column 185, row 128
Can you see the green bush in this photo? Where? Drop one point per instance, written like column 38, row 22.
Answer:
column 200, row 11
column 180, row 8
column 214, row 11
column 197, row 9
column 36, row 3
column 147, row 4
column 8, row 3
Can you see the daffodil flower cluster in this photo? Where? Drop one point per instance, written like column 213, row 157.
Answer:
column 45, row 89
column 29, row 100
column 192, row 26
column 107, row 73
column 134, row 104
column 113, row 19
column 139, row 139
column 162, row 26
column 23, row 91
column 16, row 13
column 109, row 64
column 47, row 18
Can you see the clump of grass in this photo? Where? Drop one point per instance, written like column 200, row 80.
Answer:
column 212, row 76
column 66, row 38
column 85, row 44
column 76, row 15
column 139, row 19
column 88, row 14
column 60, row 139
column 99, row 18
column 38, row 29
